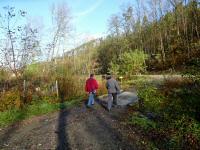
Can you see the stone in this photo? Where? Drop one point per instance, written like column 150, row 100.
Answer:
column 127, row 98
column 151, row 115
column 124, row 98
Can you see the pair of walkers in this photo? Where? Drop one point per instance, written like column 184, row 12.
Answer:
column 111, row 85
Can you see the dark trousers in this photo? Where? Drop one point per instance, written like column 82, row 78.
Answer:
column 112, row 100
column 114, row 95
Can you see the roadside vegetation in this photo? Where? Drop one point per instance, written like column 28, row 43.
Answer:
column 42, row 107
column 168, row 112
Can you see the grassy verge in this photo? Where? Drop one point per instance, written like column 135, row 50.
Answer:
column 35, row 109
column 142, row 122
column 169, row 116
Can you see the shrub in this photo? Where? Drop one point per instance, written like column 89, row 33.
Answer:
column 142, row 122
column 133, row 62
column 9, row 100
column 151, row 98
column 187, row 133
column 177, row 103
column 182, row 98
column 35, row 108
column 114, row 68
column 3, row 75
column 102, row 87
column 70, row 87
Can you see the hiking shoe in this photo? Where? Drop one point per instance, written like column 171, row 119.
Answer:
column 88, row 106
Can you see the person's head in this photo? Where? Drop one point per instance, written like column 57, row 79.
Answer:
column 91, row 75
column 103, row 77
column 108, row 76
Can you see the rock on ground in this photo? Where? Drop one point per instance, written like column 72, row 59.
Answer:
column 124, row 98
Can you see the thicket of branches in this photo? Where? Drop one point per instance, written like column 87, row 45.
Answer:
column 168, row 31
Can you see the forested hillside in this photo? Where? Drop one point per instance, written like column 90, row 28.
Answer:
column 168, row 32
column 164, row 35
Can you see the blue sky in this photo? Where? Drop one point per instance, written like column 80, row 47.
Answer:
column 90, row 17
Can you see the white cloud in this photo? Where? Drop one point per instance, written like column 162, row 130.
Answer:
column 89, row 10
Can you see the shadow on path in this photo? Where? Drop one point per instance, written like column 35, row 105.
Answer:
column 61, row 129
column 102, row 103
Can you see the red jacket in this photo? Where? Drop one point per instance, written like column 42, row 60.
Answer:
column 91, row 85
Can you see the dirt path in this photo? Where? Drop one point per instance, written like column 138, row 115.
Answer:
column 77, row 128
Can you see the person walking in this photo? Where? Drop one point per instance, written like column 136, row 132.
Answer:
column 113, row 91
column 91, row 87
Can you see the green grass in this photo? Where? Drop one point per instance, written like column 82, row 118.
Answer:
column 142, row 122
column 177, row 105
column 35, row 109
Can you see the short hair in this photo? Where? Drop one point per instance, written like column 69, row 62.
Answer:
column 92, row 75
column 108, row 76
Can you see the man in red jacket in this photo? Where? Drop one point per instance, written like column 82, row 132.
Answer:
column 91, row 86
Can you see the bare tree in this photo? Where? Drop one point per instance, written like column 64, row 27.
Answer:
column 161, row 33
column 128, row 20
column 61, row 21
column 114, row 25
column 19, row 44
